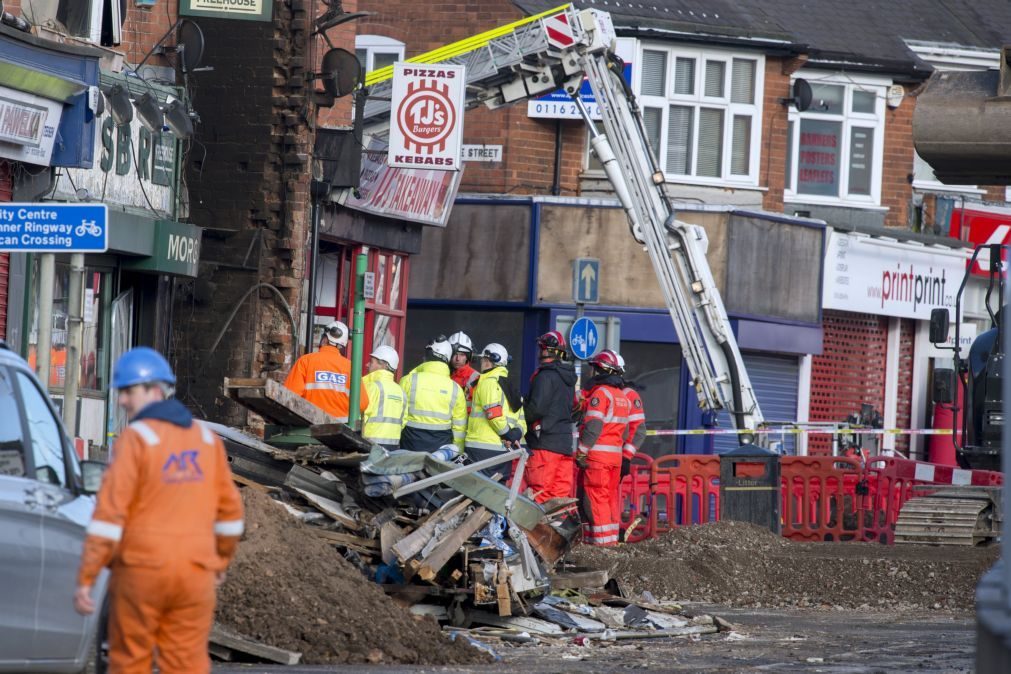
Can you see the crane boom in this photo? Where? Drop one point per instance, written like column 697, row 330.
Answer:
column 528, row 61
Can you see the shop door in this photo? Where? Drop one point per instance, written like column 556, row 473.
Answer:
column 849, row 372
column 774, row 379
column 121, row 339
column 6, row 194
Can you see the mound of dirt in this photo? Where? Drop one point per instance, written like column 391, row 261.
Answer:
column 741, row 564
column 289, row 589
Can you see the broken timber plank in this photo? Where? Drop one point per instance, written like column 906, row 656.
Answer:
column 331, row 508
column 222, row 636
column 413, row 543
column 579, row 579
column 488, row 493
column 389, row 535
column 547, row 542
column 300, row 478
column 347, row 539
column 340, row 437
column 274, row 402
column 450, row 545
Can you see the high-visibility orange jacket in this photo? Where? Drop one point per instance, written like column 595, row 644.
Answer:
column 324, row 379
column 466, row 377
column 167, row 499
column 605, row 424
column 636, row 434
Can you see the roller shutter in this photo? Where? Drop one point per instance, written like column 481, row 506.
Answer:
column 774, row 379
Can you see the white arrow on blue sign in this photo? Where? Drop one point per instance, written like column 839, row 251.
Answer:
column 54, row 228
column 586, row 280
column 583, row 338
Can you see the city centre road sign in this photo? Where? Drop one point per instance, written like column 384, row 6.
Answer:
column 583, row 338
column 586, row 280
column 54, row 228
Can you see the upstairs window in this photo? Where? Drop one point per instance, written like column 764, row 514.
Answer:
column 376, row 51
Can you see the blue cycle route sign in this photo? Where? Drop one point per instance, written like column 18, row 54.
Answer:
column 583, row 338
column 54, row 228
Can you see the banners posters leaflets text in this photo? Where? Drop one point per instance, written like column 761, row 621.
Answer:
column 558, row 104
column 886, row 278
column 426, row 123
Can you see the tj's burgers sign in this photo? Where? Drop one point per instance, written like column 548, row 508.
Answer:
column 889, row 278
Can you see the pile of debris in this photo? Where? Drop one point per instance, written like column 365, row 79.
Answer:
column 435, row 535
column 741, row 564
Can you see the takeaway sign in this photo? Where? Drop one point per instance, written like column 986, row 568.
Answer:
column 426, row 126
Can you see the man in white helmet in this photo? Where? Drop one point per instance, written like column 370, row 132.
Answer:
column 463, row 374
column 436, row 406
column 496, row 420
column 324, row 377
column 384, row 416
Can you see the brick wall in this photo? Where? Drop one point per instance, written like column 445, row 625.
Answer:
column 774, row 127
column 897, row 166
column 248, row 179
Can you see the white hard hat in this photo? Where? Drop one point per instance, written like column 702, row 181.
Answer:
column 388, row 355
column 621, row 361
column 496, row 353
column 440, row 349
column 337, row 333
column 461, row 342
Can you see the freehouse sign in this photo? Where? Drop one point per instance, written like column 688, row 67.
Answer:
column 250, row 10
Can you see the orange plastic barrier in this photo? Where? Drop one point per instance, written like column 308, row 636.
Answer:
column 636, row 499
column 824, row 499
column 685, row 490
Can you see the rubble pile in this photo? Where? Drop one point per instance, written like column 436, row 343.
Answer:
column 741, row 564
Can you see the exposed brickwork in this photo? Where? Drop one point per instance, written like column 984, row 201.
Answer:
column 250, row 190
column 897, row 167
column 774, row 128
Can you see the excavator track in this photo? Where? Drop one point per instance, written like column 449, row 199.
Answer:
column 951, row 516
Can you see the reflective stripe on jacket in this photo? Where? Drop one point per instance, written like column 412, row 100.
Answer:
column 605, row 424
column 434, row 401
column 324, row 379
column 384, row 416
column 491, row 416
column 166, row 499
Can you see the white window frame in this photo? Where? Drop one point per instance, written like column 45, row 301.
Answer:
column 697, row 101
column 378, row 44
column 850, row 83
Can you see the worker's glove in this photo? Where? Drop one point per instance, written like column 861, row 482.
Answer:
column 513, row 435
column 582, row 460
column 626, row 467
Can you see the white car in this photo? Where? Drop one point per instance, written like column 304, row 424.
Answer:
column 46, row 501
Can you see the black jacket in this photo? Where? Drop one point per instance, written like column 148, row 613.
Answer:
column 548, row 408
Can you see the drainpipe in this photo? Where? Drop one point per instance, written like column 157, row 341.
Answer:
column 357, row 340
column 44, row 344
column 75, row 342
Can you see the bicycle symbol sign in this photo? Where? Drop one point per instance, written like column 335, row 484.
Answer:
column 54, row 228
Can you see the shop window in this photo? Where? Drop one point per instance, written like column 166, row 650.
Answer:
column 377, row 51
column 95, row 20
column 93, row 374
column 835, row 148
column 702, row 112
column 655, row 370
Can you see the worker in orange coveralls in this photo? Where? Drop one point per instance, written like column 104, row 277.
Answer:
column 167, row 523
column 324, row 377
column 602, row 437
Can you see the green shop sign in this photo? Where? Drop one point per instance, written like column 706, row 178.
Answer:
column 250, row 10
column 176, row 250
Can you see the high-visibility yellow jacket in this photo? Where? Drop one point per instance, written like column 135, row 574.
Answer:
column 436, row 412
column 491, row 416
column 384, row 417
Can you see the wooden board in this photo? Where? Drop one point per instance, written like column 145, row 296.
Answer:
column 413, row 543
column 547, row 542
column 332, row 509
column 346, row 539
column 579, row 579
column 341, row 438
column 389, row 535
column 274, row 402
column 224, row 637
column 433, row 563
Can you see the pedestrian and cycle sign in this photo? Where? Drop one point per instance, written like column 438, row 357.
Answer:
column 586, row 280
column 583, row 338
column 54, row 228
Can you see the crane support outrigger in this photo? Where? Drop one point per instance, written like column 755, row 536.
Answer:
column 524, row 61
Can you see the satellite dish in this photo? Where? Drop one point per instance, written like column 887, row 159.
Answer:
column 802, row 95
column 341, row 72
column 189, row 45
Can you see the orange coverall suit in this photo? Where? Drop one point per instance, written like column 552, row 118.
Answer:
column 324, row 379
column 601, row 439
column 466, row 377
column 636, row 434
column 168, row 518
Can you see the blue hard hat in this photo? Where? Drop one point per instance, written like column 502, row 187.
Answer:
column 142, row 365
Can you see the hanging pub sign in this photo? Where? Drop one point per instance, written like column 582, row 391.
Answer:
column 250, row 10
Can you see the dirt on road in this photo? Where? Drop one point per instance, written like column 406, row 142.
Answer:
column 287, row 588
column 740, row 564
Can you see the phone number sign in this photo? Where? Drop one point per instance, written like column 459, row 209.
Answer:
column 426, row 128
column 54, row 228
